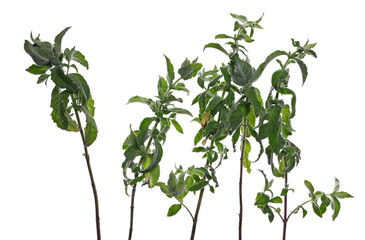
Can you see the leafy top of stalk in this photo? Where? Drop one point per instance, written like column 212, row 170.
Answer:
column 71, row 90
column 152, row 130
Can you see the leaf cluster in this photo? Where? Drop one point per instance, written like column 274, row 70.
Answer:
column 146, row 142
column 71, row 91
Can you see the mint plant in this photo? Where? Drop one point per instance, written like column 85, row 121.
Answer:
column 143, row 147
column 71, row 93
column 212, row 117
column 277, row 129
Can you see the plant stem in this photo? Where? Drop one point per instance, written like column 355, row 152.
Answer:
column 243, row 145
column 87, row 157
column 134, row 188
column 132, row 211
column 285, row 218
column 195, row 219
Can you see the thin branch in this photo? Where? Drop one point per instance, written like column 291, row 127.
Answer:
column 191, row 215
column 276, row 212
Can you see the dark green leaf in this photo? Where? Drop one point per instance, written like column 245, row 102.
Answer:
column 170, row 70
column 198, row 186
column 199, row 149
column 136, row 180
column 213, row 103
column 42, row 78
column 61, row 113
column 36, row 69
column 58, row 41
column 216, row 46
column 39, row 55
column 316, row 209
column 139, row 99
column 263, row 65
column 198, row 136
column 180, row 111
column 172, row 182
column 272, row 116
column 61, row 80
column 254, row 96
column 91, row 130
column 237, row 116
column 189, row 69
column 222, row 36
column 303, row 69
column 80, row 58
column 82, row 86
column 175, row 208
column 242, row 73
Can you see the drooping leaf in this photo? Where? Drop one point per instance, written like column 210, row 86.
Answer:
column 336, row 207
column 303, row 69
column 177, row 126
column 246, row 161
column 80, row 58
column 157, row 156
column 91, row 130
column 254, row 96
column 216, row 46
column 82, row 85
column 198, row 136
column 272, row 116
column 61, row 113
column 42, row 78
column 263, row 65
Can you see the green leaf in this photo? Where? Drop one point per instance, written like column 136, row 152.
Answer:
column 180, row 111
column 263, row 65
column 189, row 69
column 237, row 116
column 172, row 182
column 152, row 177
column 317, row 209
column 242, row 72
column 262, row 199
column 157, row 156
column 40, row 55
column 336, row 206
column 136, row 180
column 342, row 195
column 272, row 116
column 216, row 46
column 175, row 208
column 177, row 126
column 138, row 99
column 246, row 161
column 36, row 69
column 213, row 103
column 303, row 69
column 42, row 78
column 211, row 127
column 80, row 58
column 61, row 80
column 170, row 71
column 304, row 211
column 91, row 130
column 61, row 113
column 337, row 185
column 198, row 186
column 82, row 86
column 276, row 140
column 240, row 18
column 276, row 200
column 143, row 130
column 199, row 149
column 58, row 41
column 254, row 96
column 222, row 36
column 309, row 186
column 198, row 136
column 162, row 87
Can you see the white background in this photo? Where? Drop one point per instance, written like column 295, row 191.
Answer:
column 44, row 185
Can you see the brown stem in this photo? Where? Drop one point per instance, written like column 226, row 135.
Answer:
column 285, row 217
column 243, row 145
column 87, row 157
column 195, row 219
column 132, row 212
